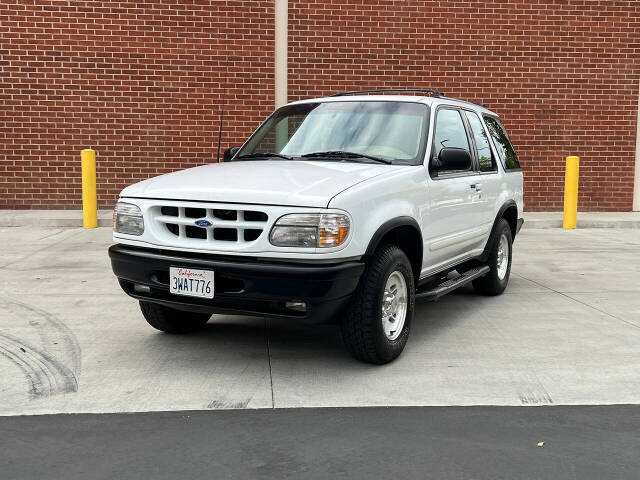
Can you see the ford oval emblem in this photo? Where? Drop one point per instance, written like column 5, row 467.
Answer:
column 203, row 223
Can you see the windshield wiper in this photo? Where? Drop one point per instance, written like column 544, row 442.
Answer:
column 264, row 155
column 341, row 154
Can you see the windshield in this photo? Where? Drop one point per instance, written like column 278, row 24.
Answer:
column 391, row 131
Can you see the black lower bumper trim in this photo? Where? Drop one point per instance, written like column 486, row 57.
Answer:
column 241, row 287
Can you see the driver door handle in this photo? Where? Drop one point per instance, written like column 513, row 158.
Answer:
column 477, row 187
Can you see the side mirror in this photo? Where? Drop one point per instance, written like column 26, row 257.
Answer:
column 452, row 158
column 229, row 153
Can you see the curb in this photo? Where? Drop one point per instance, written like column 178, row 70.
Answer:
column 542, row 220
column 50, row 218
column 544, row 224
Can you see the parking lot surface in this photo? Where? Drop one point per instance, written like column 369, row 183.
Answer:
column 565, row 332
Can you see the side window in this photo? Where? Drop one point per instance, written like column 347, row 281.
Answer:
column 449, row 132
column 485, row 158
column 502, row 143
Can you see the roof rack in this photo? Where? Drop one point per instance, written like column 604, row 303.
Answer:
column 480, row 104
column 435, row 93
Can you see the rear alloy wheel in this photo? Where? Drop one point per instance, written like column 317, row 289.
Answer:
column 170, row 320
column 502, row 259
column 499, row 261
column 377, row 324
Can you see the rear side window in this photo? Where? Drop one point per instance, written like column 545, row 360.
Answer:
column 485, row 158
column 502, row 143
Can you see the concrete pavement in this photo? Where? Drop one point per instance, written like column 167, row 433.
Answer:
column 565, row 332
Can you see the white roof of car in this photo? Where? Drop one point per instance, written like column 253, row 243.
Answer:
column 428, row 100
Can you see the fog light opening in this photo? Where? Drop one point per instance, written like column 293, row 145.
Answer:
column 141, row 288
column 297, row 306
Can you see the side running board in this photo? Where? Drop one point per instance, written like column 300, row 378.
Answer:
column 449, row 285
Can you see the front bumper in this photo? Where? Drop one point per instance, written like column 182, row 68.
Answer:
column 242, row 286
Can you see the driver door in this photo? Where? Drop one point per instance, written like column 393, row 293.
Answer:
column 452, row 228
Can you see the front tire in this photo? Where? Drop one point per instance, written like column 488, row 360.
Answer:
column 499, row 261
column 378, row 320
column 170, row 320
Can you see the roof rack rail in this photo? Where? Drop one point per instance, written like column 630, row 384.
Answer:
column 435, row 93
column 468, row 101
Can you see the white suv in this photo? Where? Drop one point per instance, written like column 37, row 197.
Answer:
column 344, row 208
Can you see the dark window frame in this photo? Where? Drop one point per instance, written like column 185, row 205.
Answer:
column 494, row 161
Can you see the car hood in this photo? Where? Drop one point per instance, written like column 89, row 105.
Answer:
column 273, row 182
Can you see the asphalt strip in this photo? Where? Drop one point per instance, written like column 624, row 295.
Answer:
column 572, row 442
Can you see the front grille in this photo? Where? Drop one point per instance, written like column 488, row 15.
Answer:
column 194, row 232
column 239, row 226
column 195, row 212
column 226, row 214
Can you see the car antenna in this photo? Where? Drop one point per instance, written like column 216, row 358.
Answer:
column 220, row 128
column 224, row 98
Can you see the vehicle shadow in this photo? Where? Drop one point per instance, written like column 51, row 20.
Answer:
column 226, row 336
column 433, row 319
column 309, row 343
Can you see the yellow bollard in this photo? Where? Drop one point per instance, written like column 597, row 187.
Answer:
column 89, row 195
column 571, row 193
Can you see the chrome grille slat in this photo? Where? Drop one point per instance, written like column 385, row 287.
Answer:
column 215, row 221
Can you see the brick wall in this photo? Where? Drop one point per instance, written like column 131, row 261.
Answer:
column 142, row 82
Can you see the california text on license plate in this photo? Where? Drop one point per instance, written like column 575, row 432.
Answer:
column 190, row 282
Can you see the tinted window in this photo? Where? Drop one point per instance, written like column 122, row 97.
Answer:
column 485, row 158
column 450, row 131
column 502, row 143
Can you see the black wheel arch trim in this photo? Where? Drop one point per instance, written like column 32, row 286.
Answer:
column 391, row 225
column 493, row 237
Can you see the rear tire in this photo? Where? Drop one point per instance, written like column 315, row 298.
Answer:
column 494, row 282
column 169, row 320
column 378, row 320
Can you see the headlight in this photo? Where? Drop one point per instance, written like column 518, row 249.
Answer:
column 310, row 230
column 127, row 218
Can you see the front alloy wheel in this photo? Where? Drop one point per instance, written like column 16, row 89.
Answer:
column 394, row 305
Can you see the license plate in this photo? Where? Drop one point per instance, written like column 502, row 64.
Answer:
column 191, row 282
